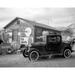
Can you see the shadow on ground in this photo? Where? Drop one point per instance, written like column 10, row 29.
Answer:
column 55, row 57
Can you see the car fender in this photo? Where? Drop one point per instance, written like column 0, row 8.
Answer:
column 66, row 47
column 32, row 49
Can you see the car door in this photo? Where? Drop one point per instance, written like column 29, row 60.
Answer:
column 53, row 44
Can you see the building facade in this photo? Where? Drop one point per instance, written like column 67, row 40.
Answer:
column 25, row 31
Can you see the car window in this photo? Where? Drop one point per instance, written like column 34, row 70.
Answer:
column 58, row 39
column 52, row 39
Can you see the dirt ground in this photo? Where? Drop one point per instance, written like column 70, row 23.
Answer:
column 17, row 60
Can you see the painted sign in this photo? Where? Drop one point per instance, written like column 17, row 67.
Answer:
column 28, row 39
column 28, row 31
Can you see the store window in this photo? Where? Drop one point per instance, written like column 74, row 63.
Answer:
column 44, row 34
column 10, row 34
column 38, row 34
column 19, row 33
column 10, row 37
column 38, row 31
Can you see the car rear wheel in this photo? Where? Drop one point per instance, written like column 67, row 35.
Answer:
column 33, row 56
column 67, row 53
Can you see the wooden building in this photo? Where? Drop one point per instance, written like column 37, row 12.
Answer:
column 21, row 30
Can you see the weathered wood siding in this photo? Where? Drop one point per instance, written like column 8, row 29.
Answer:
column 19, row 28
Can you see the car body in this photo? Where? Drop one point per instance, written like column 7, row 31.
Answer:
column 53, row 46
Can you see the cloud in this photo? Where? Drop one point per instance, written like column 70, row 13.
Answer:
column 50, row 16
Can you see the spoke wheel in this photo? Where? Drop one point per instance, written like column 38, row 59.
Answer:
column 33, row 56
column 67, row 53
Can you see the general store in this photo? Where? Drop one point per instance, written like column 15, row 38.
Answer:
column 21, row 30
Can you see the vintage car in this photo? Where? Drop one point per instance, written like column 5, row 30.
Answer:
column 53, row 46
column 5, row 48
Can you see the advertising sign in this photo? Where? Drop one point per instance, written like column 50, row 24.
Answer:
column 28, row 39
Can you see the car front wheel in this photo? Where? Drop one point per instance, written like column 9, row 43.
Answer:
column 67, row 53
column 33, row 55
column 24, row 54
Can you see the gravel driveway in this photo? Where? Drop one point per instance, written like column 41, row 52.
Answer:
column 17, row 60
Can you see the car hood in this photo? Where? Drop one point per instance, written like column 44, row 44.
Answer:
column 38, row 44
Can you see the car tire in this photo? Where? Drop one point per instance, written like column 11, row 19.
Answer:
column 24, row 54
column 33, row 55
column 67, row 53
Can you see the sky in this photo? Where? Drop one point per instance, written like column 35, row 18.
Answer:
column 55, row 17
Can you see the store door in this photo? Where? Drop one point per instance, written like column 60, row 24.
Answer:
column 15, row 35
